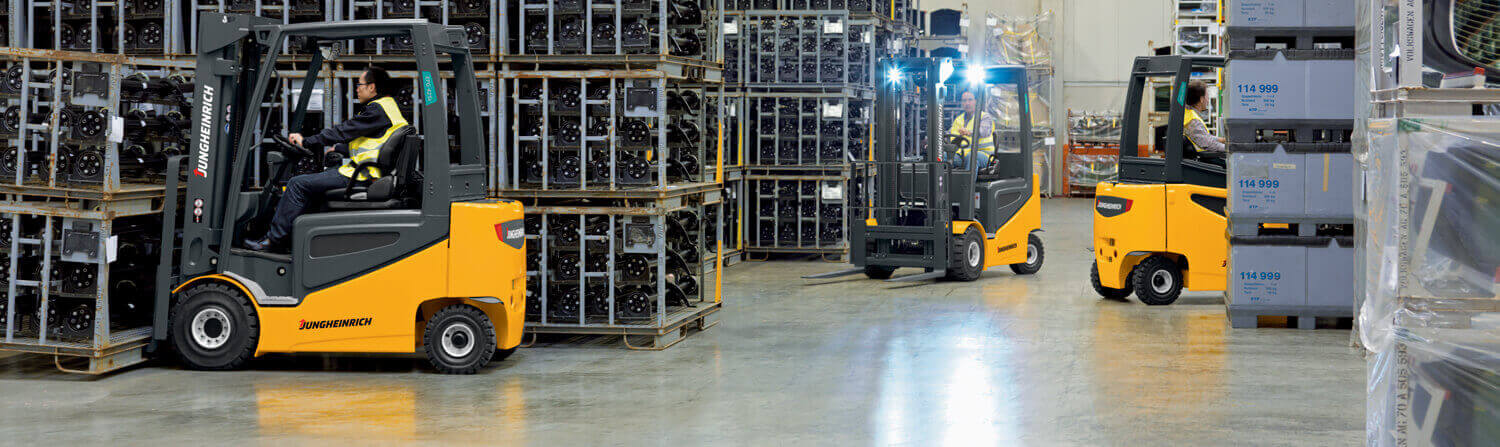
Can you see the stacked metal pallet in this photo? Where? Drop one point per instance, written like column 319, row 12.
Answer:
column 1427, row 260
column 1289, row 118
column 803, row 72
column 614, row 144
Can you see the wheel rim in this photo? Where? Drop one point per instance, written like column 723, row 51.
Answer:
column 973, row 253
column 1161, row 281
column 1030, row 254
column 211, row 328
column 458, row 340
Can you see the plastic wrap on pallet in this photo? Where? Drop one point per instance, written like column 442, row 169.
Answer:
column 1022, row 40
column 1088, row 170
column 1094, row 126
column 1430, row 315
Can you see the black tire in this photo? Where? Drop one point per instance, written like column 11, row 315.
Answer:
column 469, row 335
column 214, row 327
column 966, row 260
column 1106, row 292
column 1157, row 280
column 879, row 272
column 1032, row 265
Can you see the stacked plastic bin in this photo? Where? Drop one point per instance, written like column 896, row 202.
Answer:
column 1289, row 117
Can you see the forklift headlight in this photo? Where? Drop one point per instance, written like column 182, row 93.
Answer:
column 893, row 75
column 974, row 74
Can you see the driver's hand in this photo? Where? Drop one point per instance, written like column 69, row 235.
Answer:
column 295, row 138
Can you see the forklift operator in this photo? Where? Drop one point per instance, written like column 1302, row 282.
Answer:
column 1200, row 141
column 963, row 125
column 358, row 139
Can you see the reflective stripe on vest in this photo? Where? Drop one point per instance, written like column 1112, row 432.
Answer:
column 364, row 149
column 1187, row 118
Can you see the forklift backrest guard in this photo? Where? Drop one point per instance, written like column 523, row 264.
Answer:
column 1136, row 169
column 235, row 69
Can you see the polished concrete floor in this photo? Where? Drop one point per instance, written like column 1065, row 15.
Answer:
column 1006, row 360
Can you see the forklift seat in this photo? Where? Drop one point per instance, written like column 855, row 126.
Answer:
column 397, row 159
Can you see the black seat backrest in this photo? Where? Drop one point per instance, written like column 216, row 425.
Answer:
column 397, row 163
column 391, row 151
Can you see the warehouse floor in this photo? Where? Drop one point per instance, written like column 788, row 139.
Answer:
column 1036, row 360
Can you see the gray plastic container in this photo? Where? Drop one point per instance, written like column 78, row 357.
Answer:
column 1329, row 185
column 1291, row 13
column 1291, row 185
column 1282, row 88
column 1330, row 273
column 1267, row 275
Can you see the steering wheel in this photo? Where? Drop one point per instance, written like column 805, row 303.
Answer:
column 959, row 141
column 287, row 146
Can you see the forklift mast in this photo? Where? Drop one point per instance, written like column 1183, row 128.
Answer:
column 1137, row 169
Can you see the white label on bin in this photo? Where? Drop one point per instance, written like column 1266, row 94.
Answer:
column 314, row 102
column 1284, row 165
column 731, row 28
column 833, row 110
column 868, row 38
column 832, row 27
column 833, row 192
column 1049, row 141
column 963, row 48
column 964, row 22
column 111, row 248
column 117, row 129
column 990, row 21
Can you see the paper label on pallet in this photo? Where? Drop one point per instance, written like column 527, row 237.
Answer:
column 314, row 103
column 833, row 110
column 832, row 27
column 991, row 21
column 963, row 48
column 867, row 37
column 964, row 22
column 833, row 192
column 1050, row 140
column 117, row 129
column 731, row 28
column 110, row 248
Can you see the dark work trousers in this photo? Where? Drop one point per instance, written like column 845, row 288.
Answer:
column 303, row 192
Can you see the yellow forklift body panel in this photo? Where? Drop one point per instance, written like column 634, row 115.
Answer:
column 1009, row 245
column 1156, row 218
column 1199, row 234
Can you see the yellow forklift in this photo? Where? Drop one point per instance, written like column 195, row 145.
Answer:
column 1160, row 226
column 967, row 199
column 417, row 260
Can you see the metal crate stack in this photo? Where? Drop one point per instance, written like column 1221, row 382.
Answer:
column 804, row 74
column 1289, row 116
column 1426, row 262
column 1027, row 40
column 613, row 141
column 87, row 137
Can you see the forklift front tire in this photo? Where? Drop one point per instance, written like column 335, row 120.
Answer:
column 1106, row 292
column 879, row 272
column 1158, row 281
column 967, row 259
column 460, row 339
column 1034, row 256
column 214, row 327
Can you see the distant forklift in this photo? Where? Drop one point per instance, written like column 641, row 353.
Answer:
column 414, row 260
column 1160, row 226
column 946, row 210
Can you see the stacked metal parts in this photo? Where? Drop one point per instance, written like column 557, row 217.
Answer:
column 803, row 74
column 1093, row 150
column 1289, row 117
column 615, row 140
column 1027, row 40
column 1426, row 265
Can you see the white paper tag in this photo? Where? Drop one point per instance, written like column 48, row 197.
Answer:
column 314, row 103
column 833, row 192
column 963, row 48
column 964, row 22
column 867, row 37
column 111, row 249
column 832, row 27
column 117, row 129
column 1050, row 140
column 734, row 110
column 833, row 110
column 731, row 28
column 990, row 21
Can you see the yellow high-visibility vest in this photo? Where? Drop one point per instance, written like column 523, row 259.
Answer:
column 1187, row 118
column 961, row 122
column 364, row 149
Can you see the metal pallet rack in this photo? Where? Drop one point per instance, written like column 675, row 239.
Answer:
column 801, row 212
column 636, row 264
column 614, row 31
column 603, row 130
column 805, row 49
column 76, row 220
column 139, row 27
column 905, row 12
column 798, row 130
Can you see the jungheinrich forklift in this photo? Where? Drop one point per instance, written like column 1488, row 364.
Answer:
column 416, row 259
column 946, row 210
column 1160, row 226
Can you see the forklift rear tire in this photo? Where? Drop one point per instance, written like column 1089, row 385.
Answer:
column 460, row 339
column 879, row 272
column 967, row 259
column 1158, row 281
column 1034, row 256
column 214, row 327
column 1106, row 292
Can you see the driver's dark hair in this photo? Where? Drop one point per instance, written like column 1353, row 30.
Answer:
column 1195, row 92
column 382, row 81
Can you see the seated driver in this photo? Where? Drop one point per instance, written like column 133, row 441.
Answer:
column 963, row 125
column 359, row 139
column 1200, row 141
